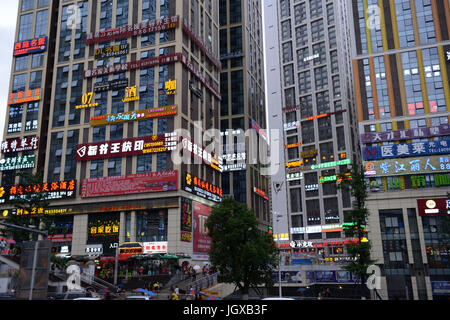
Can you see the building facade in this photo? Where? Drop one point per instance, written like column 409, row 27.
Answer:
column 319, row 124
column 102, row 92
column 401, row 76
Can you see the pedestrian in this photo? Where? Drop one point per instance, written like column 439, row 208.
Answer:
column 175, row 296
column 204, row 271
column 328, row 293
column 177, row 290
column 192, row 292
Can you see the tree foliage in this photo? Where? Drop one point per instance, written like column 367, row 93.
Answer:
column 242, row 254
column 357, row 217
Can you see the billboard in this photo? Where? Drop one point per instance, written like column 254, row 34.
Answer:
column 201, row 241
column 17, row 163
column 137, row 29
column 407, row 150
column 406, row 166
column 130, row 184
column 24, row 96
column 20, row 144
column 133, row 115
column 103, row 228
column 110, row 85
column 201, row 188
column 111, row 51
column 126, row 147
column 154, row 247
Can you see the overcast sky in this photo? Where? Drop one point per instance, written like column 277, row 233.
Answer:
column 8, row 16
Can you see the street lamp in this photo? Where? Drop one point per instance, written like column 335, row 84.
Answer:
column 278, row 216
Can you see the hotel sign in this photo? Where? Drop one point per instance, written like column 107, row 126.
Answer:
column 137, row 29
column 130, row 184
column 406, row 134
column 407, row 150
column 52, row 190
column 112, row 51
column 133, row 115
column 126, row 147
column 407, row 166
column 24, row 96
column 35, row 45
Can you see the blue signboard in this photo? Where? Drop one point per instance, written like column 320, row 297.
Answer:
column 440, row 287
column 407, row 150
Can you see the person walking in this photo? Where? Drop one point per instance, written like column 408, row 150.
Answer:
column 177, row 290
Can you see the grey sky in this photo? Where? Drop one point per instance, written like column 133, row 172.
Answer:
column 8, row 16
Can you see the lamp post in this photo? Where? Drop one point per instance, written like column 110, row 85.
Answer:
column 278, row 216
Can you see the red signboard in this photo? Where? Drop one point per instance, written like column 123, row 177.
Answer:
column 132, row 65
column 30, row 46
column 126, row 147
column 59, row 238
column 20, row 144
column 137, row 29
column 433, row 207
column 24, row 96
column 129, row 184
column 202, row 243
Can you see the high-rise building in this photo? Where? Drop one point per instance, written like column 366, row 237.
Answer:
column 318, row 122
column 401, row 76
column 99, row 94
column 242, row 108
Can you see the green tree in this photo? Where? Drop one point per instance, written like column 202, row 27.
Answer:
column 244, row 255
column 27, row 203
column 355, row 224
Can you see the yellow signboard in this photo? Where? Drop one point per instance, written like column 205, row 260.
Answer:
column 86, row 101
column 130, row 94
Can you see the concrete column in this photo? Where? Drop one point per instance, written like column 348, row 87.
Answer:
column 133, row 227
column 79, row 237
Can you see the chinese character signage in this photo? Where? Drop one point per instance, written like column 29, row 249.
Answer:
column 407, row 150
column 20, row 144
column 309, row 153
column 24, row 96
column 406, row 166
column 17, row 163
column 52, row 190
column 186, row 220
column 406, row 134
column 35, row 45
column 130, row 94
column 433, row 207
column 110, row 85
column 130, row 184
column 103, row 228
column 201, row 153
column 112, row 51
column 291, row 125
column 330, row 164
column 170, row 87
column 133, row 115
column 260, row 193
column 155, row 247
column 126, row 147
column 133, row 65
column 137, row 29
column 201, row 188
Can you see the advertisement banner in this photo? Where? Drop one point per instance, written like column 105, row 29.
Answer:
column 130, row 184
column 260, row 131
column 103, row 228
column 440, row 287
column 186, row 220
column 126, row 147
column 433, row 207
column 25, row 47
column 155, row 247
column 406, row 166
column 344, row 276
column 287, row 277
column 407, row 150
column 202, row 243
column 132, row 65
column 325, row 276
column 137, row 29
column 133, row 115
column 60, row 238
column 201, row 188
column 406, row 134
column 20, row 144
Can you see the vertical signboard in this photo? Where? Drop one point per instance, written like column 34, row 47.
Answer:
column 202, row 243
column 186, row 220
column 103, row 228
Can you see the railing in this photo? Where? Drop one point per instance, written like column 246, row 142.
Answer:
column 203, row 283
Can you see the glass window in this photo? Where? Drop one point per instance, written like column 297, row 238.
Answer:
column 25, row 27
column 41, row 23
column 27, row 5
column 21, row 63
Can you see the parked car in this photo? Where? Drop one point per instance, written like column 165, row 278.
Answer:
column 138, row 298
